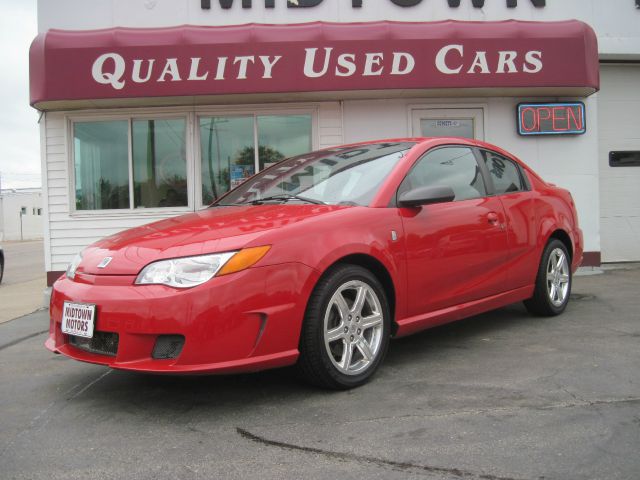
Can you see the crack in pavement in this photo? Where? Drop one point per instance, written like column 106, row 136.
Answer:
column 478, row 411
column 22, row 339
column 456, row 472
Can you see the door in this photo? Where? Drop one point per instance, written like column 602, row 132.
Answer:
column 619, row 166
column 449, row 122
column 456, row 251
column 510, row 186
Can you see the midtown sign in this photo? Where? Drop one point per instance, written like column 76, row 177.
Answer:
column 316, row 57
column 227, row 4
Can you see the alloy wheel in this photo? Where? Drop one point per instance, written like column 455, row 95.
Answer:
column 353, row 327
column 558, row 277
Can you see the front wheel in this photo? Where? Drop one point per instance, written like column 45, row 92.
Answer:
column 553, row 281
column 346, row 329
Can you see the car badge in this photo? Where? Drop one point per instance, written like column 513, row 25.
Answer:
column 105, row 261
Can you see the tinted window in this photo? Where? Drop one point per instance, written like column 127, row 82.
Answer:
column 454, row 167
column 624, row 159
column 505, row 174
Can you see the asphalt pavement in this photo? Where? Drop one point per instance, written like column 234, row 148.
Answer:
column 501, row 396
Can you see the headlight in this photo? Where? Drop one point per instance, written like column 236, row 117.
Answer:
column 71, row 269
column 191, row 271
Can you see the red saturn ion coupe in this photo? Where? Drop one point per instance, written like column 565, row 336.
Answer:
column 319, row 260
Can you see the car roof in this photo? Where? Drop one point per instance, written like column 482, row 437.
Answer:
column 429, row 142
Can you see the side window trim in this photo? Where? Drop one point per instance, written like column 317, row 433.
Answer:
column 488, row 181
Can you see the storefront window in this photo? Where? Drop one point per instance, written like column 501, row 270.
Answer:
column 227, row 154
column 101, row 165
column 281, row 136
column 227, row 147
column 135, row 163
column 159, row 163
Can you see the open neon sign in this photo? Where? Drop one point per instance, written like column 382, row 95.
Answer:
column 551, row 118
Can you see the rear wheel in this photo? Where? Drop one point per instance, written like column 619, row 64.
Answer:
column 1, row 268
column 346, row 329
column 553, row 282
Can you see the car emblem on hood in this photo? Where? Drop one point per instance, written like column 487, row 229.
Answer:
column 105, row 261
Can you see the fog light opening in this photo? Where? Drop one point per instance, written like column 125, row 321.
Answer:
column 167, row 346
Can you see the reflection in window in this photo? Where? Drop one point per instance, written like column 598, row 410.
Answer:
column 281, row 136
column 504, row 173
column 227, row 147
column 454, row 167
column 100, row 151
column 227, row 153
column 350, row 176
column 159, row 163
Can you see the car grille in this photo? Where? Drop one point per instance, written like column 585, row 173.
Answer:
column 103, row 343
column 168, row 346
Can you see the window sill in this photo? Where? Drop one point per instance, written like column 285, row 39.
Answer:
column 138, row 212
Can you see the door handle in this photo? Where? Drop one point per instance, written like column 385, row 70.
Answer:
column 493, row 219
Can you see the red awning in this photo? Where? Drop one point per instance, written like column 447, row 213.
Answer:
column 70, row 68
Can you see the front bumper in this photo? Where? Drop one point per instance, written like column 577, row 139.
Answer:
column 245, row 321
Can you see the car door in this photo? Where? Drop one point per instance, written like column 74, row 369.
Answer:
column 455, row 251
column 509, row 184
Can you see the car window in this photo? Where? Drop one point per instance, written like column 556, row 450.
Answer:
column 346, row 175
column 505, row 174
column 454, row 167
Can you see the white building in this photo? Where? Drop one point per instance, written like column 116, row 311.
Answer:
column 21, row 215
column 157, row 119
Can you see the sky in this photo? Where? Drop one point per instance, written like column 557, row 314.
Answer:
column 19, row 130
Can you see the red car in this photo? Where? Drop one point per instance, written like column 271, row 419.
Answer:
column 319, row 260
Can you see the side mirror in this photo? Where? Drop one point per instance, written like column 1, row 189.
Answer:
column 425, row 196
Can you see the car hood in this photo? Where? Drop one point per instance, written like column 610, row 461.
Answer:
column 217, row 229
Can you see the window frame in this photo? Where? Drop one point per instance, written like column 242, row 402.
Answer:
column 483, row 172
column 491, row 190
column 192, row 139
column 244, row 111
column 129, row 117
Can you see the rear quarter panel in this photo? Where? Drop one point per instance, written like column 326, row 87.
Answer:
column 555, row 210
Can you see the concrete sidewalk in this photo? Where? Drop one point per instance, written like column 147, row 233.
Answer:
column 22, row 288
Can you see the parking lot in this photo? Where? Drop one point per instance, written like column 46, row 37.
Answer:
column 500, row 396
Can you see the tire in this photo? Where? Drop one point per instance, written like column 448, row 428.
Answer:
column 343, row 342
column 1, row 269
column 553, row 281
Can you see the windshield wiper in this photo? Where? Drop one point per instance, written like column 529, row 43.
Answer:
column 285, row 197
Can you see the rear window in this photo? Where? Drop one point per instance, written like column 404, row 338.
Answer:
column 505, row 173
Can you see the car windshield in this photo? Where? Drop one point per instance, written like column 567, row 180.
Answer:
column 339, row 176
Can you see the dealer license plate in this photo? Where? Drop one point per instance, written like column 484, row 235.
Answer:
column 78, row 319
